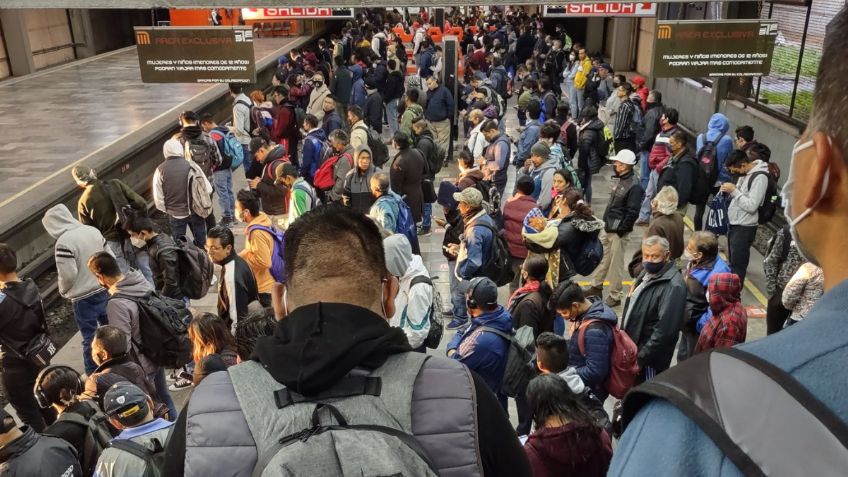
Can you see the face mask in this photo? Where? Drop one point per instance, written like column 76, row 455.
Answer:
column 317, row 84
column 138, row 242
column 653, row 267
column 690, row 257
column 786, row 196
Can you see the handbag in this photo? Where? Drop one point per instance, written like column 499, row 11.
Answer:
column 41, row 348
column 717, row 221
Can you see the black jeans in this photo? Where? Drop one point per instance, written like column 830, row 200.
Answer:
column 700, row 209
column 739, row 241
column 776, row 314
column 525, row 415
column 19, row 379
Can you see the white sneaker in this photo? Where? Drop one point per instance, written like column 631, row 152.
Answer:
column 182, row 382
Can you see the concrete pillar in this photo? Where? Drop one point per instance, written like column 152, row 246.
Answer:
column 623, row 43
column 18, row 47
column 82, row 33
column 594, row 34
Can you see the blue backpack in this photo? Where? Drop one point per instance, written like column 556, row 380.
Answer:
column 232, row 149
column 278, row 264
column 406, row 224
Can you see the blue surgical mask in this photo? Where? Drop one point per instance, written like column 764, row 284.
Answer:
column 653, row 267
column 786, row 196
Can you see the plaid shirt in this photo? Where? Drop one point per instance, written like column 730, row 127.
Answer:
column 729, row 324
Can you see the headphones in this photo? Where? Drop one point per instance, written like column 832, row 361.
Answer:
column 470, row 302
column 38, row 391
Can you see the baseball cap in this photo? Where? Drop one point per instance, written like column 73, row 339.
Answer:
column 124, row 401
column 482, row 289
column 540, row 149
column 470, row 196
column 624, row 156
column 257, row 143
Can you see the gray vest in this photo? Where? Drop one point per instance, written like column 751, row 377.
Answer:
column 174, row 172
column 432, row 399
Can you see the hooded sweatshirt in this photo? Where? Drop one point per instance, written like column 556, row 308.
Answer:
column 717, row 130
column 748, row 197
column 122, row 312
column 482, row 351
column 357, row 185
column 729, row 323
column 593, row 365
column 572, row 449
column 543, row 180
column 75, row 244
column 411, row 112
column 412, row 304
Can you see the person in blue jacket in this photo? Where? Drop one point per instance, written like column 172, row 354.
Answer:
column 717, row 129
column 484, row 352
column 593, row 364
column 313, row 145
column 474, row 249
column 358, row 95
column 661, row 440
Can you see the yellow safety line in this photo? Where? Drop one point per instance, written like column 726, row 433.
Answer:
column 748, row 285
column 606, row 284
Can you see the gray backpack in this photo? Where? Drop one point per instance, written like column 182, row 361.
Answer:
column 356, row 427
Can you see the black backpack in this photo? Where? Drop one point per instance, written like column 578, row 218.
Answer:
column 498, row 268
column 707, row 159
column 771, row 201
column 163, row 323
column 379, row 150
column 196, row 269
column 702, row 185
column 491, row 195
column 98, row 434
column 203, row 151
column 154, row 458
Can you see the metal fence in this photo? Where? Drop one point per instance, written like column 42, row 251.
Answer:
column 787, row 91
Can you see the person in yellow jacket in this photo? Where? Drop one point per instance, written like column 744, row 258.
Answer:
column 258, row 244
column 581, row 78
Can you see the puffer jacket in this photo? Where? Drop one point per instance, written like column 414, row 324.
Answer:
column 653, row 316
column 572, row 233
column 717, row 129
column 624, row 204
column 697, row 278
column 75, row 244
column 412, row 304
column 572, row 449
column 357, row 187
column 514, row 211
column 165, row 265
column 111, row 371
column 95, row 207
column 34, row 455
column 593, row 367
column 313, row 147
column 661, row 151
column 475, row 249
column 482, row 351
column 122, row 313
column 589, row 136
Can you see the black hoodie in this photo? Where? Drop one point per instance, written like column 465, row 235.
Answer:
column 318, row 344
column 21, row 315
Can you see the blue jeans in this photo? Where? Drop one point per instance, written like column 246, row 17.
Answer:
column 458, row 301
column 576, row 102
column 247, row 163
column 643, row 169
column 89, row 313
column 196, row 223
column 427, row 216
column 650, row 192
column 162, row 394
column 224, row 189
column 392, row 115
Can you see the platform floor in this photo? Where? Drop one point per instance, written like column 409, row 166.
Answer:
column 51, row 120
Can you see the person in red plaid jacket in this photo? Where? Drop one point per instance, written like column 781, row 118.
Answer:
column 729, row 323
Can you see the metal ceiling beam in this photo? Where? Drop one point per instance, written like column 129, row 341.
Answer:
column 146, row 4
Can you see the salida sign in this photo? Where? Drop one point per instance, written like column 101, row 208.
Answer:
column 293, row 13
column 618, row 9
column 713, row 48
column 196, row 55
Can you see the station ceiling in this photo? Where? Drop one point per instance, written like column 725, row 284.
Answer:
column 145, row 4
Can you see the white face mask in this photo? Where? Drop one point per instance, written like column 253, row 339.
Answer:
column 138, row 242
column 786, row 196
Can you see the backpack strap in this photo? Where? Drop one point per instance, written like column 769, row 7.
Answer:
column 508, row 337
column 581, row 333
column 415, row 281
column 714, row 389
column 139, row 450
